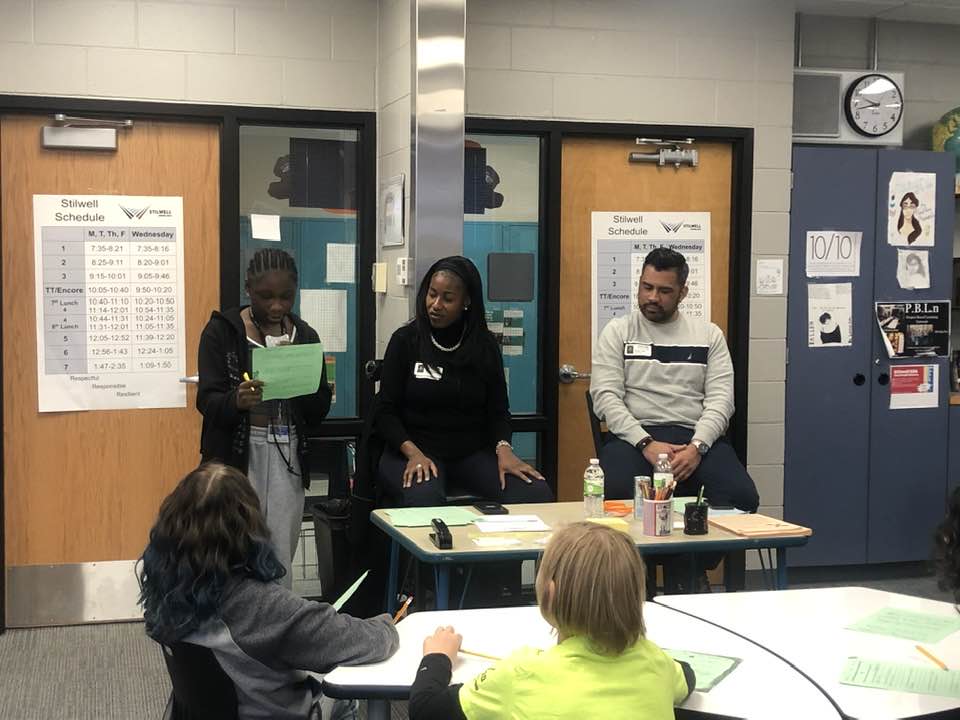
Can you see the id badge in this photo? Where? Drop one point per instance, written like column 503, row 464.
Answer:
column 280, row 434
column 637, row 350
column 427, row 372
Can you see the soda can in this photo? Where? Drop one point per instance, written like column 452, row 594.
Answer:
column 638, row 483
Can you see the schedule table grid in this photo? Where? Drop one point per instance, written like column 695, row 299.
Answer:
column 110, row 300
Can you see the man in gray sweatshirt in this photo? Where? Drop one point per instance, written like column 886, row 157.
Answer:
column 663, row 382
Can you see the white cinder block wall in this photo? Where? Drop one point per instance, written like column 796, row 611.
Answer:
column 296, row 53
column 692, row 62
column 393, row 152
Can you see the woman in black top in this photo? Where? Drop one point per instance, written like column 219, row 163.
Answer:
column 443, row 400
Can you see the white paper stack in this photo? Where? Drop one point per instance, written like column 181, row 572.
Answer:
column 510, row 523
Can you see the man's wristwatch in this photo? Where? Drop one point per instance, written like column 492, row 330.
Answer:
column 643, row 443
column 701, row 446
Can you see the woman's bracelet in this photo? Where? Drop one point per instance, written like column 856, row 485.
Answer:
column 503, row 443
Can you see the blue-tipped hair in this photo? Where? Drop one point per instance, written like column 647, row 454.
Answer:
column 209, row 532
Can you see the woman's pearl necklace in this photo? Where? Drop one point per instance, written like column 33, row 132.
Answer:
column 438, row 346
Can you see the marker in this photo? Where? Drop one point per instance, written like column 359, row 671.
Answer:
column 933, row 658
column 403, row 610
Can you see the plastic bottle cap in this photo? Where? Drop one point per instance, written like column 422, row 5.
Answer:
column 661, row 456
column 594, row 461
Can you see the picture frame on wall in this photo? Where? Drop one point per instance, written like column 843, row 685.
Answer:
column 392, row 211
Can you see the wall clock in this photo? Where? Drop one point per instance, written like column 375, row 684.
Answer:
column 873, row 104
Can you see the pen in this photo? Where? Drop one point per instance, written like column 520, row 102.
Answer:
column 700, row 496
column 479, row 654
column 401, row 613
column 930, row 656
column 246, row 377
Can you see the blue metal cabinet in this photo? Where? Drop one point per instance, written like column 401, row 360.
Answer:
column 828, row 396
column 870, row 481
column 953, row 453
column 908, row 448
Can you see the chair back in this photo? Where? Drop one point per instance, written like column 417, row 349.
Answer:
column 201, row 688
column 595, row 429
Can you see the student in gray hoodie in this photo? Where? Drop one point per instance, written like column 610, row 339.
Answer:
column 209, row 577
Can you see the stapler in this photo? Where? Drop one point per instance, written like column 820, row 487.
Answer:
column 441, row 536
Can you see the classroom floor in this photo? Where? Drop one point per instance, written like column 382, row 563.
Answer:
column 114, row 672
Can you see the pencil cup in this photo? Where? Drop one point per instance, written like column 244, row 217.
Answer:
column 657, row 517
column 695, row 518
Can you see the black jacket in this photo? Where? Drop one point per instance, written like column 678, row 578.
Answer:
column 224, row 357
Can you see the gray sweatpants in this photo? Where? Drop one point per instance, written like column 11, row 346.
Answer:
column 280, row 493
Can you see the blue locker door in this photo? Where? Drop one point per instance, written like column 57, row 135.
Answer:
column 827, row 412
column 908, row 448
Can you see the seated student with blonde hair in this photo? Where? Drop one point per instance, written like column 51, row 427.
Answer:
column 590, row 587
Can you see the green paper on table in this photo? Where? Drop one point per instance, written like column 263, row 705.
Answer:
column 901, row 677
column 421, row 516
column 348, row 593
column 709, row 669
column 908, row 625
column 288, row 370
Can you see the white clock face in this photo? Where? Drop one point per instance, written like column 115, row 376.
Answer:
column 874, row 105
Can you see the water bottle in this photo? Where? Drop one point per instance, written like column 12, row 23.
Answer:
column 593, row 489
column 663, row 472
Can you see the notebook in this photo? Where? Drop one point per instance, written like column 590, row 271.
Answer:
column 754, row 525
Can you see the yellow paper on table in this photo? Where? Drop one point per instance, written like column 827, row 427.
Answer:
column 614, row 522
column 288, row 370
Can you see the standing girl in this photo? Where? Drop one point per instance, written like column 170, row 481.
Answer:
column 265, row 440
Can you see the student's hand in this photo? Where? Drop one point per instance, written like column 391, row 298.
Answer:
column 419, row 467
column 656, row 447
column 249, row 393
column 509, row 463
column 685, row 462
column 444, row 640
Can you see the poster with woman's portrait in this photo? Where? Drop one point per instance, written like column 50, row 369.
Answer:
column 911, row 207
column 829, row 315
column 913, row 269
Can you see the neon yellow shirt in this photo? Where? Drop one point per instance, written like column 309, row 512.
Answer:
column 571, row 681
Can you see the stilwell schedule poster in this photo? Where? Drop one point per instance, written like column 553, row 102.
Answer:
column 109, row 302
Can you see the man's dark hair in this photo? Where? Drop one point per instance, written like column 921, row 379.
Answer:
column 825, row 317
column 666, row 259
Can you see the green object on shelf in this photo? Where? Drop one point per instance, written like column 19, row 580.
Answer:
column 946, row 135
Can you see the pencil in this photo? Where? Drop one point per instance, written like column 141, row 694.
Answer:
column 403, row 610
column 480, row 654
column 933, row 658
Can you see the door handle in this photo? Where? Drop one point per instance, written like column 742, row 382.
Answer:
column 568, row 373
column 190, row 379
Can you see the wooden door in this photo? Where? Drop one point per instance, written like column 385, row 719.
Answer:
column 597, row 177
column 86, row 486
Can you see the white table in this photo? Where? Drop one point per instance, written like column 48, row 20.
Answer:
column 807, row 628
column 761, row 686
